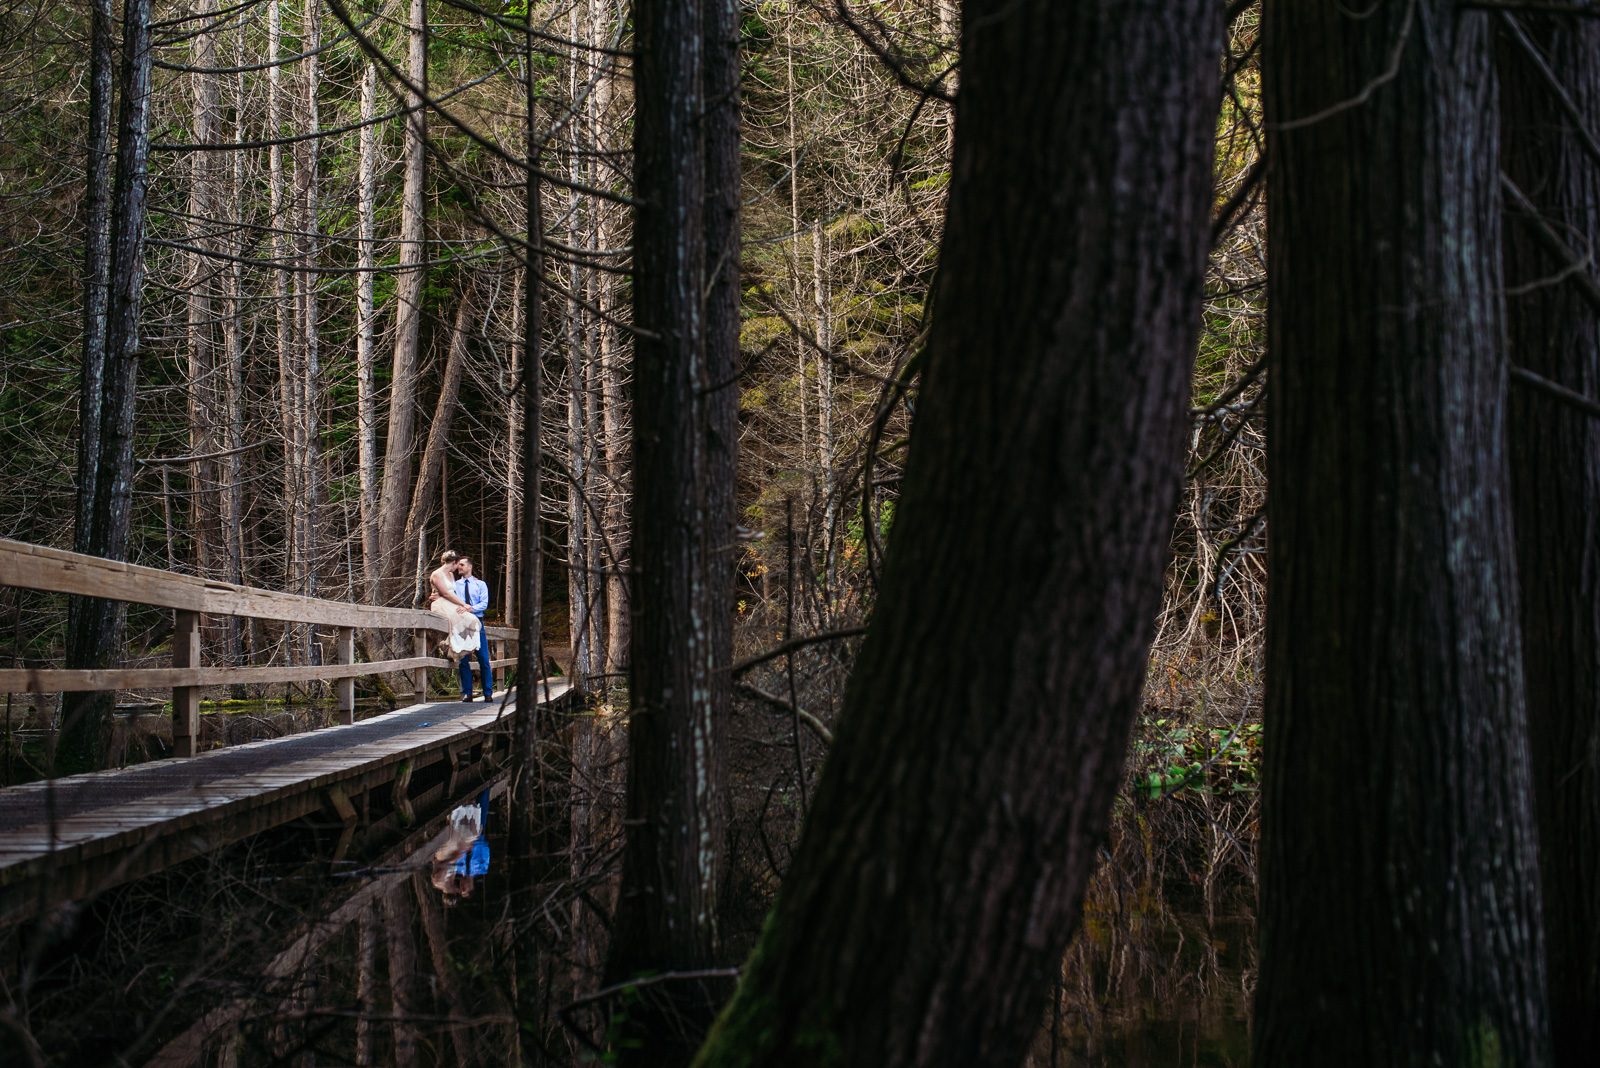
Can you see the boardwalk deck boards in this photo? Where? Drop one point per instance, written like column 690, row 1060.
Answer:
column 119, row 825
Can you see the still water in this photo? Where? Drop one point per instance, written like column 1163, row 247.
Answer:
column 260, row 955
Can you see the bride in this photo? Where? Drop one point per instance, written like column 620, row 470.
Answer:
column 463, row 637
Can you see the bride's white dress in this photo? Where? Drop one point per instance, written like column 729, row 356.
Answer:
column 464, row 627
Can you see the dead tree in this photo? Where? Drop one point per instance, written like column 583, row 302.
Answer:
column 940, row 872
column 1399, row 889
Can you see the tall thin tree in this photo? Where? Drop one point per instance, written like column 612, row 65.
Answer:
column 83, row 636
column 395, row 496
column 85, row 738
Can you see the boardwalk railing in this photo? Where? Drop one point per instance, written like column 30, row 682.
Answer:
column 35, row 567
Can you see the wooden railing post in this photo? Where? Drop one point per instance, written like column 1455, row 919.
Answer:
column 345, row 653
column 186, row 699
column 420, row 676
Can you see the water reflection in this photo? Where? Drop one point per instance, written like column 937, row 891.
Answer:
column 463, row 857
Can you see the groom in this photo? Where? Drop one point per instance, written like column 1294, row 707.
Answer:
column 475, row 592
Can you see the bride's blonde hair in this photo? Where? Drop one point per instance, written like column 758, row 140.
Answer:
column 448, row 557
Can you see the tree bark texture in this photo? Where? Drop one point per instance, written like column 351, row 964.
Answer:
column 204, row 395
column 1555, row 493
column 83, row 635
column 720, row 392
column 311, row 480
column 85, row 739
column 941, row 870
column 1399, row 900
column 683, row 445
column 402, row 953
column 396, row 492
column 525, row 776
column 429, row 478
column 366, row 341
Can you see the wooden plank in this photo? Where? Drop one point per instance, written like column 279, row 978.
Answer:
column 60, row 680
column 264, row 798
column 36, row 567
column 345, row 653
column 419, row 678
column 223, row 599
column 502, row 633
column 186, row 699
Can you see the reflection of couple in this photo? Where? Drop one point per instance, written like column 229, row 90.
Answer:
column 462, row 599
column 464, row 855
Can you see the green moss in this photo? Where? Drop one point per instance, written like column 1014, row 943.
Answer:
column 746, row 1032
column 1483, row 1046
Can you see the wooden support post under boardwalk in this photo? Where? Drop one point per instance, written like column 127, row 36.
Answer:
column 186, row 699
column 345, row 653
column 420, row 675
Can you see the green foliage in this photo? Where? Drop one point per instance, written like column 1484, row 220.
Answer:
column 1204, row 759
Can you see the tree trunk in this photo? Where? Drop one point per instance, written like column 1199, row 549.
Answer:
column 525, row 781
column 205, row 498
column 1399, row 897
column 366, row 984
column 85, row 739
column 86, row 618
column 233, row 407
column 941, row 870
column 444, row 978
column 513, row 455
column 580, row 481
column 283, row 245
column 396, row 492
column 950, row 33
column 402, row 948
column 366, row 353
column 1555, row 484
column 673, row 860
column 307, row 179
column 429, row 478
column 613, row 375
column 824, row 335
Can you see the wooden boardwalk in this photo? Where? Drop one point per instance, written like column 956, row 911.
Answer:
column 69, row 839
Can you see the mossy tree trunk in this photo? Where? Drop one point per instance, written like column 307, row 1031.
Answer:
column 1399, row 902
column 942, row 867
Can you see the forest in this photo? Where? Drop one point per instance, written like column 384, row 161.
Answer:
column 988, row 629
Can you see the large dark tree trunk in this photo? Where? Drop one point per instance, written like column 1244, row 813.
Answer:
column 685, row 426
column 1555, row 483
column 943, row 864
column 96, row 638
column 1400, row 916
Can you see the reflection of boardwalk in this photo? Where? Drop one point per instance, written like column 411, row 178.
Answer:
column 278, row 980
column 118, row 825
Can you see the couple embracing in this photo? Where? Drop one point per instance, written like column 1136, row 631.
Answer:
column 461, row 599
